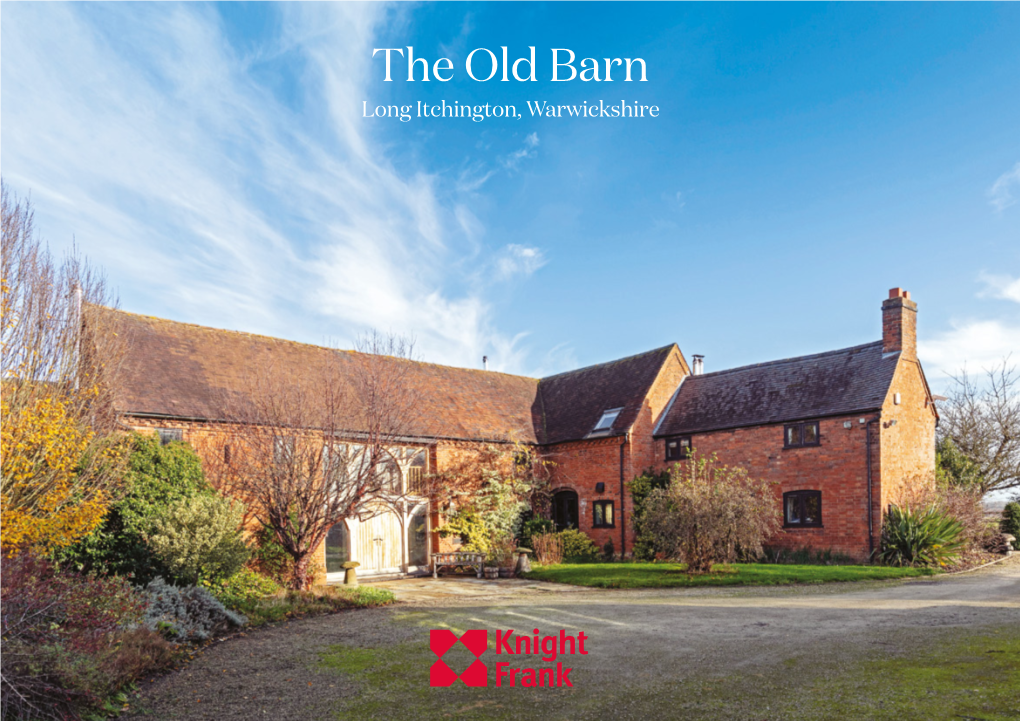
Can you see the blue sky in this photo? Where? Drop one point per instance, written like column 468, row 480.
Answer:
column 807, row 158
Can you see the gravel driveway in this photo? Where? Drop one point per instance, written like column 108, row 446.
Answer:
column 753, row 653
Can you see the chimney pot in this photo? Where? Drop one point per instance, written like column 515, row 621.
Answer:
column 899, row 323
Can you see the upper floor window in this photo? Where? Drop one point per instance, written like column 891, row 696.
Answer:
column 801, row 434
column 606, row 421
column 283, row 449
column 602, row 514
column 802, row 509
column 168, row 435
column 678, row 448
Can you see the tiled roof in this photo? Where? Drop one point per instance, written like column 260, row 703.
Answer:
column 851, row 380
column 182, row 370
column 572, row 403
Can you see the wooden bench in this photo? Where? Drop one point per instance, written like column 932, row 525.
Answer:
column 460, row 558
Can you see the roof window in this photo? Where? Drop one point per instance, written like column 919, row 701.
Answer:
column 606, row 421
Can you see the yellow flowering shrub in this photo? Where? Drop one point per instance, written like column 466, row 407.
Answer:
column 56, row 475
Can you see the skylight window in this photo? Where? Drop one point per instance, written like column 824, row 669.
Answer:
column 606, row 421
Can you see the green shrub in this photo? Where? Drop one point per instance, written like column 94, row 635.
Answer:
column 200, row 538
column 927, row 537
column 640, row 488
column 1011, row 519
column 157, row 477
column 535, row 527
column 578, row 547
column 239, row 591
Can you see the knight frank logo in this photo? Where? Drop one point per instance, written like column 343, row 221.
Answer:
column 548, row 648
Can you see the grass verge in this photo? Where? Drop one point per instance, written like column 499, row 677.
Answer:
column 670, row 575
column 319, row 600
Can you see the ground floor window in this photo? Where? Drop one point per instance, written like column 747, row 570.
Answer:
column 602, row 514
column 337, row 548
column 564, row 508
column 802, row 509
column 418, row 538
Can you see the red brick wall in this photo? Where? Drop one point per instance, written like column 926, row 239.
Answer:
column 837, row 467
column 578, row 466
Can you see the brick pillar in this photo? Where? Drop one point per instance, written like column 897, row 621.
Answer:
column 899, row 323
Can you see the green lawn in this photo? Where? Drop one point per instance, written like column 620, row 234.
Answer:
column 669, row 575
column 319, row 600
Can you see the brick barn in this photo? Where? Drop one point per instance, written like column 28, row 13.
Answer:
column 838, row 432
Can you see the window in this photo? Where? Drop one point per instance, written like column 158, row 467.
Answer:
column 602, row 514
column 801, row 434
column 678, row 448
column 337, row 548
column 168, row 435
column 226, row 454
column 416, row 474
column 606, row 421
column 418, row 539
column 283, row 449
column 802, row 509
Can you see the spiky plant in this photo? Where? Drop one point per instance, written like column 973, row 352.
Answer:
column 925, row 537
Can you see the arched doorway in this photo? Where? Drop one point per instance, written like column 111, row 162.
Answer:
column 338, row 548
column 564, row 510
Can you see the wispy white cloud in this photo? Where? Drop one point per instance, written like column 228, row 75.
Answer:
column 518, row 260
column 529, row 149
column 1003, row 287
column 1000, row 195
column 209, row 197
column 974, row 343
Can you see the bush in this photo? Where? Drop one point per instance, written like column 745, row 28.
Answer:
column 548, row 548
column 66, row 646
column 578, row 546
column 535, row 527
column 200, row 538
column 467, row 524
column 640, row 488
column 927, row 537
column 710, row 514
column 1011, row 519
column 242, row 589
column 187, row 614
column 962, row 503
column 158, row 476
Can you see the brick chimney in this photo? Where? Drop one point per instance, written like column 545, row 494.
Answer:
column 899, row 323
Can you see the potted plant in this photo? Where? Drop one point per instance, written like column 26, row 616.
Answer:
column 491, row 567
column 350, row 575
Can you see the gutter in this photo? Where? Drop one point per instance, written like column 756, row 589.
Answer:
column 871, row 514
column 623, row 500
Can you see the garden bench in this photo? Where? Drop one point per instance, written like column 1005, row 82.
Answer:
column 460, row 558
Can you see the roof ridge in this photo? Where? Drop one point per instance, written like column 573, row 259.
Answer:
column 276, row 339
column 609, row 362
column 793, row 359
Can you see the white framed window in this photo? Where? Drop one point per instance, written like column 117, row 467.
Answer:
column 606, row 421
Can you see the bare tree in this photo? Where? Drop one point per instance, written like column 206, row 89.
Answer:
column 982, row 419
column 59, row 359
column 309, row 450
